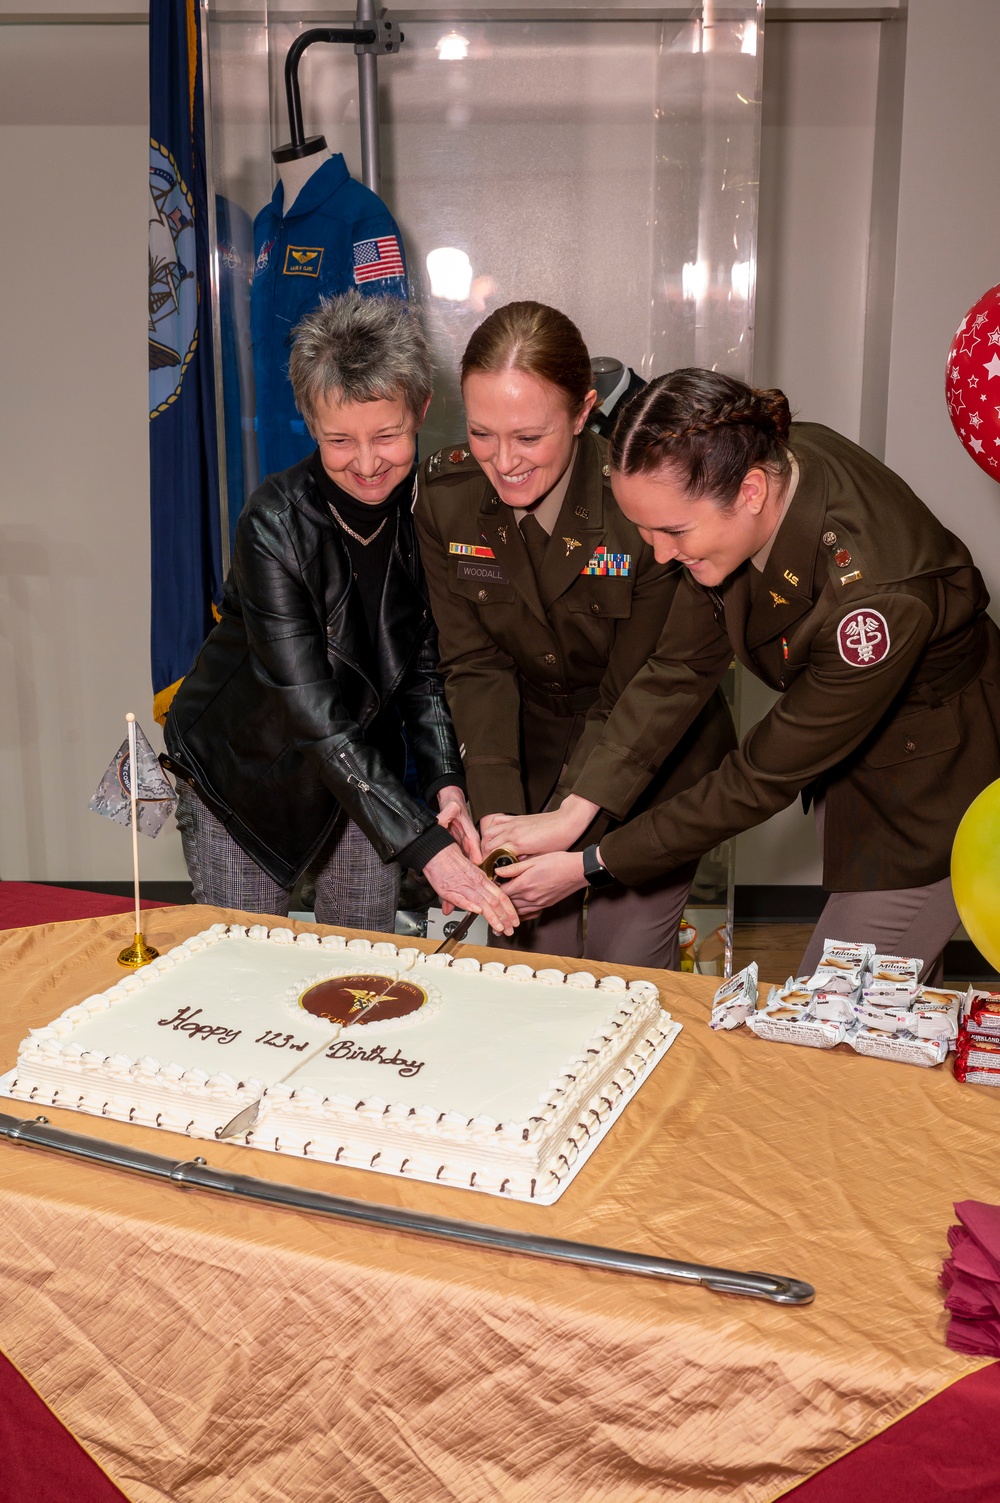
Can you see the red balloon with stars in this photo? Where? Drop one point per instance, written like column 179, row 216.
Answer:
column 972, row 382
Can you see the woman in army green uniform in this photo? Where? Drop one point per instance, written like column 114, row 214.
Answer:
column 548, row 603
column 834, row 584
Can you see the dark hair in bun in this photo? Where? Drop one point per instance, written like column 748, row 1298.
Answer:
column 706, row 429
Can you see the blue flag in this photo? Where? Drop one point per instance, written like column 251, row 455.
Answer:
column 184, row 468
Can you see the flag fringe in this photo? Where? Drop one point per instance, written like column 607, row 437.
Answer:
column 163, row 700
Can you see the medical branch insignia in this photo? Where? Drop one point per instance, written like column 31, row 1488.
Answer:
column 470, row 550
column 778, row 599
column 863, row 638
column 302, row 261
column 571, row 543
column 608, row 565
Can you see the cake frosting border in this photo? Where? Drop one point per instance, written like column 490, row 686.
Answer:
column 637, row 1019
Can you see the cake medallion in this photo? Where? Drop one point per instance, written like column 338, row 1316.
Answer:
column 355, row 1000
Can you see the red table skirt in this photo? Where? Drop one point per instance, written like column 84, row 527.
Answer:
column 947, row 1451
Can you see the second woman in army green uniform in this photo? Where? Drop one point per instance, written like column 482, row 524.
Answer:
column 548, row 603
column 835, row 584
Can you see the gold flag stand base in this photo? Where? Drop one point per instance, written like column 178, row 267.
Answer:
column 138, row 954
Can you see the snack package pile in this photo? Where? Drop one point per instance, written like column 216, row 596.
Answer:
column 872, row 1002
column 977, row 1055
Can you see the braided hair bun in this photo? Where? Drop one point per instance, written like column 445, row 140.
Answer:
column 706, row 429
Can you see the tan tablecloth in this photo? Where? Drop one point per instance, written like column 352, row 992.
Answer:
column 204, row 1348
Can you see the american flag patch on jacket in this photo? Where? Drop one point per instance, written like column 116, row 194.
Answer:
column 376, row 259
column 604, row 563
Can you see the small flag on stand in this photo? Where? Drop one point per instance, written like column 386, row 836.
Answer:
column 155, row 798
column 135, row 792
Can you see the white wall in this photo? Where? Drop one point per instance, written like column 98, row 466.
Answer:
column 74, row 475
column 947, row 256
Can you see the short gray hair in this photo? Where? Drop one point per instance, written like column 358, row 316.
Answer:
column 360, row 349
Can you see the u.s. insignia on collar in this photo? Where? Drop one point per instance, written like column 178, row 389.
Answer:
column 457, row 456
column 571, row 543
column 581, row 512
column 793, row 579
column 778, row 599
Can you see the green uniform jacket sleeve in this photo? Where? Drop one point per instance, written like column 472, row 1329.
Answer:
column 640, row 716
column 827, row 712
column 480, row 683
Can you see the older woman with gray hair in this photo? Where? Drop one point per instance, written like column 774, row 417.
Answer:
column 286, row 735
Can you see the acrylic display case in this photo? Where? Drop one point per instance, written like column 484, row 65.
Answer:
column 607, row 166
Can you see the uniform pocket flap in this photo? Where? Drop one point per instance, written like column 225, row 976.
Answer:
column 608, row 597
column 486, row 584
column 910, row 737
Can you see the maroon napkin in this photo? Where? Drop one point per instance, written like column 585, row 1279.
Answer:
column 971, row 1277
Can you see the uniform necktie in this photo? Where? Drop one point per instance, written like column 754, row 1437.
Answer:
column 536, row 540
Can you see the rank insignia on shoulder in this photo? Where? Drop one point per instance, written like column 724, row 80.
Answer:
column 470, row 550
column 571, row 543
column 434, row 463
column 851, row 578
column 605, row 565
column 778, row 599
column 457, row 456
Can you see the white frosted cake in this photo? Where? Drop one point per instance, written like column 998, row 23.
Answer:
column 493, row 1077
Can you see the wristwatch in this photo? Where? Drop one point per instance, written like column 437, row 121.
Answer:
column 596, row 874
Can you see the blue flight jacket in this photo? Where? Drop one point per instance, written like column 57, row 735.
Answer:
column 337, row 235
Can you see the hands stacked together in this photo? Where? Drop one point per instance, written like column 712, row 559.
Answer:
column 546, row 872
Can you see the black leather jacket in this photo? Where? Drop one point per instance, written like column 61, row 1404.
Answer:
column 289, row 714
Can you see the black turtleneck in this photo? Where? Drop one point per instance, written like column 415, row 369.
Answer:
column 369, row 564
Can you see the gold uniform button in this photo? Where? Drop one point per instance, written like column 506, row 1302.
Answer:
column 911, row 746
column 549, row 659
column 483, row 595
column 595, row 609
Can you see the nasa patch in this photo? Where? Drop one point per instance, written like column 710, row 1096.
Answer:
column 863, row 638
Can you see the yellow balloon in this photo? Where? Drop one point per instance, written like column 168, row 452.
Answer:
column 975, row 872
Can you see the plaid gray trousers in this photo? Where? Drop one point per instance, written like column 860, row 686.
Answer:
column 353, row 887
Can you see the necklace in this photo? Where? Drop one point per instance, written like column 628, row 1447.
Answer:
column 356, row 535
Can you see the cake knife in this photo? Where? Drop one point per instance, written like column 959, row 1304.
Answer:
column 245, row 1119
